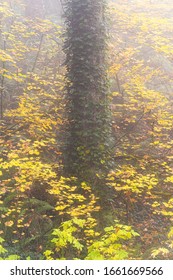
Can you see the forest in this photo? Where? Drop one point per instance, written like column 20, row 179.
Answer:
column 86, row 129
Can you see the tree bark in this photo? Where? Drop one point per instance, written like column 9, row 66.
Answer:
column 88, row 136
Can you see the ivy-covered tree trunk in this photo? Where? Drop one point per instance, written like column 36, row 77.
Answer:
column 88, row 134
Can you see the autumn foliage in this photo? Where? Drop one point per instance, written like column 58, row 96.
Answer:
column 123, row 213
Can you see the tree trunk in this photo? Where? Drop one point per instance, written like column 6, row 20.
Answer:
column 87, row 149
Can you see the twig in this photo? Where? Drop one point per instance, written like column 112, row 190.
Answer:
column 2, row 83
column 126, row 133
column 38, row 52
